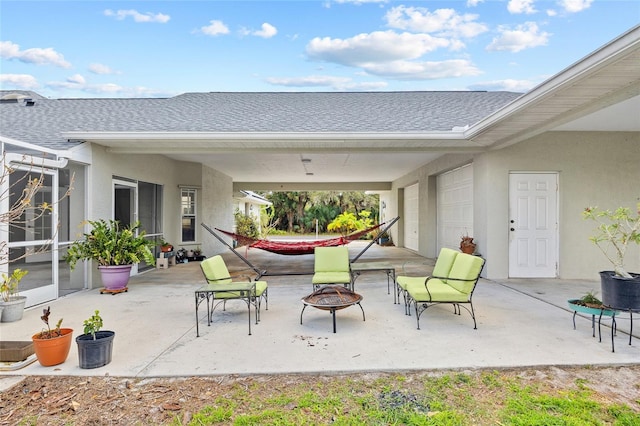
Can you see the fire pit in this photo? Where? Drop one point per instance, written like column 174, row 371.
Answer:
column 332, row 299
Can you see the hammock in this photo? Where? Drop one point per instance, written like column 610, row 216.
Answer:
column 294, row 248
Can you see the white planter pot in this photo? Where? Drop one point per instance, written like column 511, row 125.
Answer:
column 13, row 309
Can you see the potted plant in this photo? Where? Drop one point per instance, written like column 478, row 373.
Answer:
column 616, row 230
column 52, row 346
column 115, row 249
column 197, row 252
column 11, row 304
column 467, row 245
column 95, row 347
column 589, row 304
column 165, row 246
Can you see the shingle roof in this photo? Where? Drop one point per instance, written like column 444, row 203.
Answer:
column 282, row 112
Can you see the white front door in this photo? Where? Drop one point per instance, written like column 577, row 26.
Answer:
column 533, row 225
column 411, row 213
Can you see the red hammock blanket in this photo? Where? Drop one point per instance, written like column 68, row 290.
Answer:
column 293, row 248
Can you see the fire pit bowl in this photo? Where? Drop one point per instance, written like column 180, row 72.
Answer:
column 332, row 299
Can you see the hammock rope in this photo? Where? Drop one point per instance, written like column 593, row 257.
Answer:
column 293, row 248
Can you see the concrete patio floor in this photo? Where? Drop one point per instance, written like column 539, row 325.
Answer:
column 523, row 322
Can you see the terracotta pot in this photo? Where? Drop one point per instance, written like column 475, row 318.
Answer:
column 53, row 351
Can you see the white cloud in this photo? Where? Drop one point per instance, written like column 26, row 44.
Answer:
column 473, row 3
column 374, row 47
column 359, row 2
column 18, row 81
column 429, row 70
column 77, row 79
column 336, row 83
column 574, row 6
column 137, row 16
column 215, row 28
column 267, row 31
column 101, row 69
column 521, row 6
column 524, row 36
column 507, row 84
column 36, row 55
column 442, row 22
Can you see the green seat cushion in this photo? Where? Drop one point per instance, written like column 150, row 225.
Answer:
column 442, row 267
column 331, row 278
column 331, row 259
column 215, row 270
column 465, row 267
column 404, row 281
column 438, row 292
column 261, row 286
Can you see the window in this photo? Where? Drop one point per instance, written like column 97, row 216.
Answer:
column 188, row 214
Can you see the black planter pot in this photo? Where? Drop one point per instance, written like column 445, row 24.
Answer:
column 620, row 293
column 95, row 353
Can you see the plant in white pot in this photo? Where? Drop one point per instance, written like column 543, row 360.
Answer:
column 11, row 304
column 115, row 248
column 95, row 347
column 616, row 230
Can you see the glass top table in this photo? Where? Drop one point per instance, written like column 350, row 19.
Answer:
column 220, row 293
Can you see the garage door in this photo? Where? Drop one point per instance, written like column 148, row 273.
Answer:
column 411, row 217
column 455, row 206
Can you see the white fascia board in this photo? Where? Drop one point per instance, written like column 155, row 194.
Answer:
column 140, row 136
column 32, row 147
column 592, row 62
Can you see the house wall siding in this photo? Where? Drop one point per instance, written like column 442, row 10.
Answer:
column 156, row 169
column 217, row 208
column 595, row 168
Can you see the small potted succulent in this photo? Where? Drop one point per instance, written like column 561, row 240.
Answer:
column 616, row 230
column 95, row 346
column 11, row 304
column 52, row 346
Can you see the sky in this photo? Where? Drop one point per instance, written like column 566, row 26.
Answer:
column 96, row 49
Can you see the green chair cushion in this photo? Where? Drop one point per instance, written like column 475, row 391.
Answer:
column 465, row 267
column 331, row 259
column 404, row 281
column 331, row 278
column 438, row 292
column 441, row 269
column 215, row 270
column 445, row 261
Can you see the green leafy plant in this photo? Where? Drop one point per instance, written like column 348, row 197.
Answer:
column 9, row 286
column 615, row 231
column 110, row 244
column 347, row 222
column 49, row 333
column 93, row 324
column 245, row 225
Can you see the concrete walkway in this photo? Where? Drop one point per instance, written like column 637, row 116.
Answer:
column 520, row 323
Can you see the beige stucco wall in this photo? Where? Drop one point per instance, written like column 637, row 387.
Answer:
column 217, row 208
column 594, row 168
column 214, row 197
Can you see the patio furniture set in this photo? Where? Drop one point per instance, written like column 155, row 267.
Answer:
column 453, row 281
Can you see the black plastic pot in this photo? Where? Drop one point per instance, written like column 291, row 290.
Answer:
column 95, row 353
column 620, row 293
